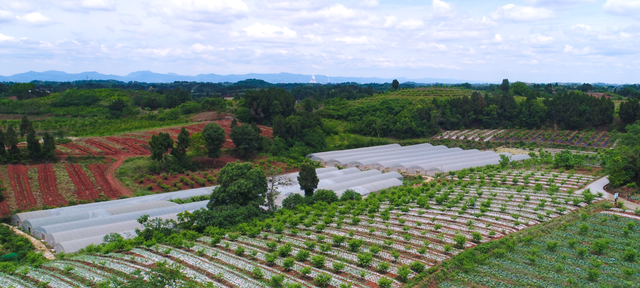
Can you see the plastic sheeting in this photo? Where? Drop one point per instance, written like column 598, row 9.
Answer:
column 367, row 189
column 414, row 159
column 28, row 225
column 40, row 232
column 19, row 218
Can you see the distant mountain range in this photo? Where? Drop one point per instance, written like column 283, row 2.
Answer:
column 151, row 77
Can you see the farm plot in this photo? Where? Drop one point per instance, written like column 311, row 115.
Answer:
column 19, row 178
column 597, row 251
column 99, row 173
column 536, row 179
column 49, row 186
column 382, row 241
column 84, row 187
column 576, row 138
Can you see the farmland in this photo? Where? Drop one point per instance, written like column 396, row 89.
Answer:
column 85, row 173
column 585, row 139
column 595, row 251
column 384, row 240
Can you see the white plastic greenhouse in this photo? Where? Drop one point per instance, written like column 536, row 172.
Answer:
column 341, row 180
column 423, row 159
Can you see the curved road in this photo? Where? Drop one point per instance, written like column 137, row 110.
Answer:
column 598, row 186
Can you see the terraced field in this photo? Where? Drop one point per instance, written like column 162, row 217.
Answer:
column 385, row 240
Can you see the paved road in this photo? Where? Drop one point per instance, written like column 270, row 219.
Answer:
column 598, row 186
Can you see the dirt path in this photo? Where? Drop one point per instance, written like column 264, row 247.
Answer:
column 45, row 251
column 113, row 181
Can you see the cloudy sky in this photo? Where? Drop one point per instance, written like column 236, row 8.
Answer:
column 527, row 40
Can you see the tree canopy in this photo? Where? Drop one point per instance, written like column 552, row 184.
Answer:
column 308, row 179
column 241, row 184
column 215, row 137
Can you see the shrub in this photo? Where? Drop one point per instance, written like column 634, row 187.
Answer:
column 593, row 274
column 383, row 267
column 385, row 282
column 257, row 273
column 630, row 255
column 460, row 241
column 552, row 245
column 338, row 266
column 600, row 246
column 365, row 259
column 417, row 267
column 318, row 261
column 302, row 255
column 322, row 280
column 403, row 273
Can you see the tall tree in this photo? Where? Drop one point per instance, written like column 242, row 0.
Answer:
column 308, row 179
column 395, row 84
column 246, row 139
column 33, row 145
column 49, row 147
column 215, row 137
column 25, row 126
column 2, row 150
column 504, row 87
column 11, row 139
column 180, row 151
column 160, row 144
column 629, row 111
column 240, row 184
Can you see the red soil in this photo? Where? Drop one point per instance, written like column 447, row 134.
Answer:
column 48, row 186
column 84, row 187
column 107, row 150
column 130, row 144
column 20, row 185
column 99, row 173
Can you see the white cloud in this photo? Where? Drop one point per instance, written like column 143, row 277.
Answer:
column 369, row 3
column 432, row 46
column 337, row 14
column 259, row 30
column 6, row 38
column 521, row 13
column 6, row 16
column 559, row 3
column 442, row 9
column 35, row 18
column 570, row 49
column 202, row 11
column 623, row 7
column 390, row 21
column 313, row 38
column 497, row 38
column 353, row 40
column 295, row 5
column 540, row 39
column 86, row 5
column 410, row 24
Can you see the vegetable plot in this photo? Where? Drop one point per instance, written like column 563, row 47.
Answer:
column 599, row 251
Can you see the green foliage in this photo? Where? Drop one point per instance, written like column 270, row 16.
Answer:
column 246, row 139
column 308, row 179
column 214, row 137
column 326, row 196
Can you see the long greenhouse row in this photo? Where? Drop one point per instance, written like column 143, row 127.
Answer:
column 363, row 182
column 423, row 159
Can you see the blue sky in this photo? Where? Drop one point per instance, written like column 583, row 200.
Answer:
column 526, row 40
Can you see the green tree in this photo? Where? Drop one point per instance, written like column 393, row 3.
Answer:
column 33, row 145
column 308, row 179
column 160, row 144
column 623, row 165
column 197, row 145
column 395, row 84
column 11, row 139
column 3, row 152
column 246, row 139
column 629, row 111
column 241, row 184
column 25, row 126
column 632, row 137
column 2, row 195
column 49, row 147
column 215, row 137
column 180, row 150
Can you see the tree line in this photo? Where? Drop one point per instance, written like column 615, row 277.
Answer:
column 35, row 151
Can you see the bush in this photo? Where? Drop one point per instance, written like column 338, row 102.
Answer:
column 365, row 259
column 318, row 261
column 350, row 195
column 323, row 195
column 417, row 267
column 385, row 282
column 322, row 280
column 593, row 275
column 403, row 273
